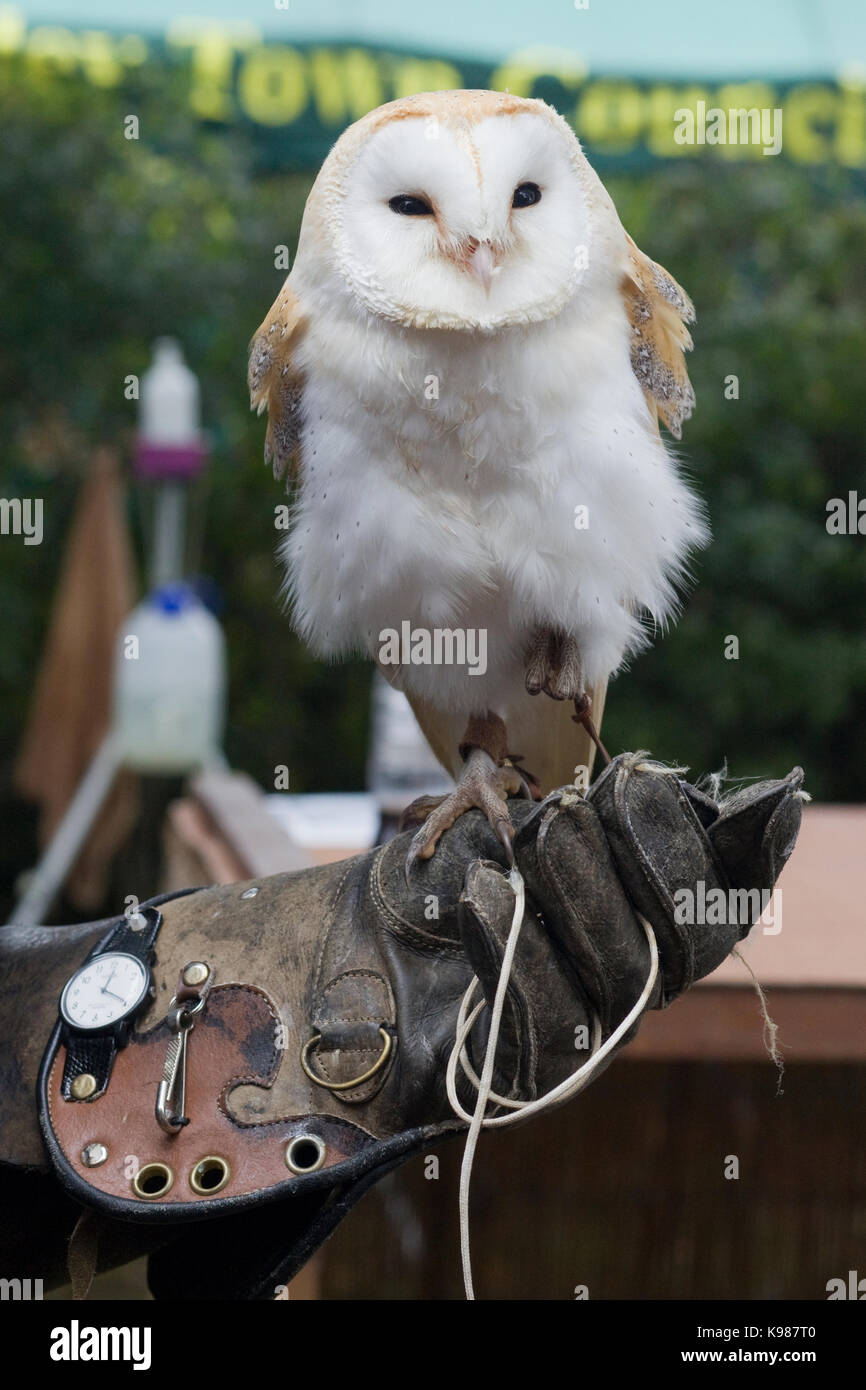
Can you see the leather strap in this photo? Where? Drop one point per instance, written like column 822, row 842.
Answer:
column 136, row 939
column 353, row 1015
column 87, row 1054
column 94, row 1053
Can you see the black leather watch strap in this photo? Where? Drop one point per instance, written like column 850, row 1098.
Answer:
column 92, row 1054
column 88, row 1055
column 136, row 934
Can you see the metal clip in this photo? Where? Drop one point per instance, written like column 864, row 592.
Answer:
column 171, row 1095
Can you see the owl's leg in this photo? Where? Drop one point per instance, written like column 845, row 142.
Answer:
column 553, row 666
column 486, row 780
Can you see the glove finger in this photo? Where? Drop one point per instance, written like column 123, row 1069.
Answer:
column 757, row 829
column 545, row 1019
column 571, row 876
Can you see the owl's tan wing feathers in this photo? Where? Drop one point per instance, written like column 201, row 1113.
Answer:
column 658, row 310
column 275, row 382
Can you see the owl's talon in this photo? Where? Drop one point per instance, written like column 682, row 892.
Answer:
column 410, row 860
column 583, row 715
column 505, row 831
column 483, row 785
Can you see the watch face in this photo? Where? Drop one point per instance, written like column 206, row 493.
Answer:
column 104, row 991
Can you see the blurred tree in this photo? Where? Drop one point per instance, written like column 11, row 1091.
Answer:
column 111, row 242
column 775, row 260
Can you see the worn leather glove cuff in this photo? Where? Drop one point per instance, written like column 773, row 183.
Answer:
column 337, row 991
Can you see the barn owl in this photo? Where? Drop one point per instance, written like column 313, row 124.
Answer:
column 464, row 375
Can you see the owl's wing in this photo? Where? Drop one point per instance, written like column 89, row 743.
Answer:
column 658, row 310
column 275, row 383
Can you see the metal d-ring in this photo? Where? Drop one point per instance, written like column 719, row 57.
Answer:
column 387, row 1044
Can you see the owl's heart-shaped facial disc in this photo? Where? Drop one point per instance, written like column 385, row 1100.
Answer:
column 464, row 224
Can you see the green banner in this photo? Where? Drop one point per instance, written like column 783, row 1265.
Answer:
column 296, row 98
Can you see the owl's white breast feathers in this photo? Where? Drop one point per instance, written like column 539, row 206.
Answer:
column 501, row 483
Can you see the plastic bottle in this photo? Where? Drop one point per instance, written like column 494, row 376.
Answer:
column 170, row 683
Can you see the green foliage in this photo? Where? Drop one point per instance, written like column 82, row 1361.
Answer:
column 775, row 260
column 110, row 243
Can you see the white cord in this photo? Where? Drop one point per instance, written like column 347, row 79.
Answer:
column 476, row 1120
column 520, row 1109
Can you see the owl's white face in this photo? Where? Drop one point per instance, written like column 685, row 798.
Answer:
column 464, row 226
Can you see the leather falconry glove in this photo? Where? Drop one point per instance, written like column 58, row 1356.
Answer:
column 316, row 1048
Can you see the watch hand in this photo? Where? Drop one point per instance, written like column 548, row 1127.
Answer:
column 105, row 989
column 114, row 996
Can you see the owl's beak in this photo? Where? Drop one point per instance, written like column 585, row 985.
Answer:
column 482, row 264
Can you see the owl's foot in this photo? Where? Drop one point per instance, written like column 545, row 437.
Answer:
column 482, row 786
column 487, row 779
column 553, row 666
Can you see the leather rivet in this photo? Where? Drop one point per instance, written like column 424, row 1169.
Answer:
column 83, row 1086
column 94, row 1154
column 195, row 973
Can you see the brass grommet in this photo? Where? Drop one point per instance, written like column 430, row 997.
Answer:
column 305, row 1153
column 152, row 1181
column 210, row 1175
column 83, row 1086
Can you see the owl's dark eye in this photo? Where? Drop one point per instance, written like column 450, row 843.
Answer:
column 525, row 194
column 409, row 206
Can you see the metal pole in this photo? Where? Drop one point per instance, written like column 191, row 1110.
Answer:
column 168, row 543
column 50, row 873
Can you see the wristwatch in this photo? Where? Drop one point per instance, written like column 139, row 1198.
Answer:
column 102, row 1000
